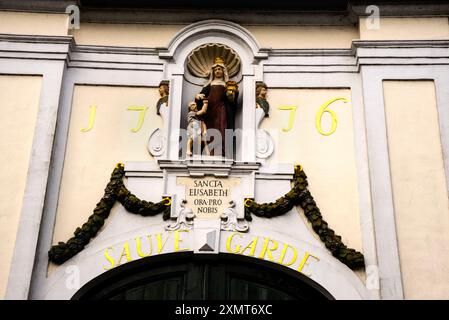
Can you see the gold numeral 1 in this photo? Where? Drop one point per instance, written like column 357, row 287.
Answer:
column 291, row 118
column 93, row 111
column 142, row 111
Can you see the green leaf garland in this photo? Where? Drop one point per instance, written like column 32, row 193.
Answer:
column 115, row 191
column 300, row 195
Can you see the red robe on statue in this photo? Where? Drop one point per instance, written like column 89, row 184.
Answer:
column 220, row 112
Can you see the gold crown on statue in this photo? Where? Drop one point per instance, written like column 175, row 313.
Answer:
column 219, row 60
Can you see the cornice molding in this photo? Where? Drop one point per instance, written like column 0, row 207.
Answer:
column 14, row 46
column 37, row 38
column 404, row 44
column 43, row 6
column 443, row 43
column 361, row 52
column 208, row 26
column 115, row 50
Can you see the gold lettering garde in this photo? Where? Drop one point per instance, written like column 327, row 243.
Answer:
column 284, row 252
column 252, row 245
column 291, row 118
column 266, row 250
column 141, row 118
column 178, row 241
column 303, row 262
column 139, row 247
column 92, row 113
column 229, row 242
column 109, row 258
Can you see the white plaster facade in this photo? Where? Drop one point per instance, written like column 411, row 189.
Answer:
column 361, row 68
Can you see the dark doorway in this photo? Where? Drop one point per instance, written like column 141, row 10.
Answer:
column 187, row 276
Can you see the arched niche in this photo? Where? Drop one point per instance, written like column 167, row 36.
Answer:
column 181, row 91
column 193, row 82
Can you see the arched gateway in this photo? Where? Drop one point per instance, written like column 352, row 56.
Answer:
column 185, row 276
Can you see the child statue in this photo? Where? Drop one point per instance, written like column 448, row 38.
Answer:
column 196, row 127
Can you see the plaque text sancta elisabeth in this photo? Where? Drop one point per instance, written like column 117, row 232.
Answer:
column 208, row 196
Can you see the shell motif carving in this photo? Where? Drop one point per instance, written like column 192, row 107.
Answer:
column 202, row 58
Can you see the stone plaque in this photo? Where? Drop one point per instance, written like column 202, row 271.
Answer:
column 208, row 196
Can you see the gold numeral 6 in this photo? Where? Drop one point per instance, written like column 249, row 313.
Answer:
column 319, row 116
